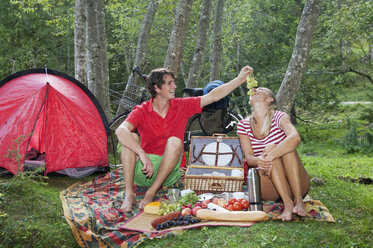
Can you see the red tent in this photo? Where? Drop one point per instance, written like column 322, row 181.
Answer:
column 61, row 117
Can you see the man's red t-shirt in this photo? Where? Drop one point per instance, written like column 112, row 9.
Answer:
column 154, row 130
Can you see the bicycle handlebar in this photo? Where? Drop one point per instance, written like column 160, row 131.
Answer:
column 137, row 70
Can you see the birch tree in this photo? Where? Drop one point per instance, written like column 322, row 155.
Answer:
column 92, row 46
column 199, row 52
column 97, row 70
column 140, row 57
column 217, row 49
column 102, row 87
column 176, row 44
column 297, row 65
column 79, row 42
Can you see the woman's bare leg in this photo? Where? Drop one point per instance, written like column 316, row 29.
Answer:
column 171, row 157
column 278, row 177
column 299, row 180
column 269, row 192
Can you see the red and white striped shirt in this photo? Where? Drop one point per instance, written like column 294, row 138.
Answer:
column 276, row 134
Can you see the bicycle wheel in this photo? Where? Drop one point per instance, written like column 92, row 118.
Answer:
column 233, row 119
column 114, row 152
column 114, row 124
column 193, row 128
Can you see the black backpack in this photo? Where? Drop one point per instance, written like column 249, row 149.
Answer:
column 213, row 116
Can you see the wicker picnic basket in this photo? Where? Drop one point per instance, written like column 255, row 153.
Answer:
column 215, row 165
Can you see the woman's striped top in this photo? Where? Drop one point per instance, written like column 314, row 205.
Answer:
column 276, row 134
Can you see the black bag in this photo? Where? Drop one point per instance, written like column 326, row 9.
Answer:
column 214, row 121
column 213, row 117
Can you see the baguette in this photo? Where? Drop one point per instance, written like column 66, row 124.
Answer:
column 204, row 214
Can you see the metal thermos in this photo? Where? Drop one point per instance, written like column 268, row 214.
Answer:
column 254, row 192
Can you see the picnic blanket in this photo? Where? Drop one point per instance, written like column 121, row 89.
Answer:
column 93, row 212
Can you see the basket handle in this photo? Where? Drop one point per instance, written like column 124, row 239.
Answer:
column 218, row 186
column 219, row 135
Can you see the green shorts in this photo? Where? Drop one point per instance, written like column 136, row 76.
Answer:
column 143, row 181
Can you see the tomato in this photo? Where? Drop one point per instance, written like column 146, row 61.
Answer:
column 232, row 201
column 237, row 206
column 230, row 207
column 245, row 204
column 226, row 206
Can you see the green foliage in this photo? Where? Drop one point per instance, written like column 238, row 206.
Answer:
column 341, row 41
column 357, row 140
column 263, row 33
column 367, row 113
column 36, row 34
column 260, row 33
column 15, row 155
column 350, row 141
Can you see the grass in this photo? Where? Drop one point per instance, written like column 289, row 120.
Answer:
column 31, row 212
column 350, row 203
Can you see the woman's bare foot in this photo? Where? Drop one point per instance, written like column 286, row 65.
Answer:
column 127, row 203
column 286, row 214
column 149, row 197
column 299, row 209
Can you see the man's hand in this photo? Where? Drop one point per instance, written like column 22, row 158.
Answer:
column 223, row 90
column 148, row 168
column 244, row 73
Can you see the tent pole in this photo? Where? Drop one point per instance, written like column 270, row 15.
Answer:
column 33, row 128
column 45, row 124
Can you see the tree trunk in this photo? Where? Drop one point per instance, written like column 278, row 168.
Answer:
column 297, row 65
column 92, row 43
column 176, row 44
column 102, row 90
column 199, row 52
column 140, row 54
column 97, row 65
column 79, row 42
column 217, row 50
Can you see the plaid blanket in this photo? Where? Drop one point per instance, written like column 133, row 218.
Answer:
column 93, row 212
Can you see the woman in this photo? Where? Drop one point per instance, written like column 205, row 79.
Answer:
column 269, row 140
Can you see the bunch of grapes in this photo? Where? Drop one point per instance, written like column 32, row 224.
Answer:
column 251, row 83
column 178, row 221
column 168, row 207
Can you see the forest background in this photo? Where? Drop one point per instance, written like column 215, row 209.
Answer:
column 259, row 33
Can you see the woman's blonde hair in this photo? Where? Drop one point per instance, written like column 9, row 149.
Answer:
column 268, row 116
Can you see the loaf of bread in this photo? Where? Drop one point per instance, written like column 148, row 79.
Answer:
column 205, row 214
column 152, row 207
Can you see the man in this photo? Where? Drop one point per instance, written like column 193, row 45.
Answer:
column 161, row 124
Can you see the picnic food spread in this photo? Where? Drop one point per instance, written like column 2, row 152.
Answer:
column 192, row 208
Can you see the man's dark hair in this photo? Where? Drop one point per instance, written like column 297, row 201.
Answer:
column 156, row 77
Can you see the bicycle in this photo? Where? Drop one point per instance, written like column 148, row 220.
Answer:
column 211, row 120
column 195, row 127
